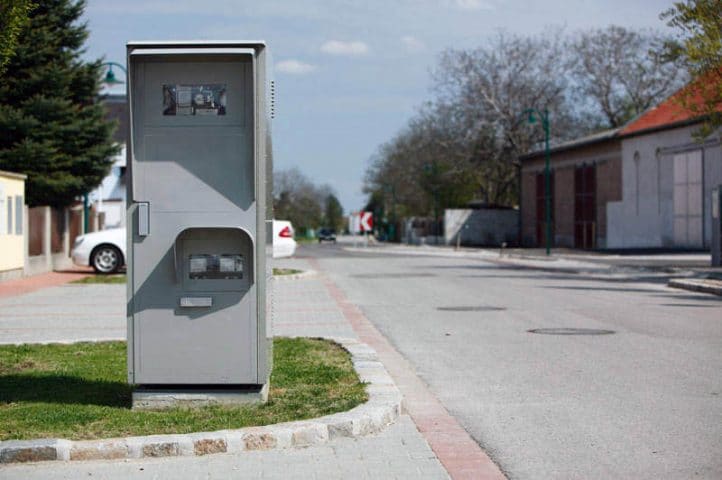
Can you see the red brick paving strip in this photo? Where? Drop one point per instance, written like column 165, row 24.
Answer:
column 24, row 285
column 458, row 452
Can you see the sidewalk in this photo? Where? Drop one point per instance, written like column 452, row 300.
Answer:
column 709, row 285
column 24, row 285
column 304, row 307
column 661, row 266
column 316, row 306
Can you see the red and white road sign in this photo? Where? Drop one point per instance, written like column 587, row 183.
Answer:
column 367, row 221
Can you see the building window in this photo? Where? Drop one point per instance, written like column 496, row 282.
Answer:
column 10, row 216
column 19, row 207
column 3, row 212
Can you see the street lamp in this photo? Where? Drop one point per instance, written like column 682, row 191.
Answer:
column 110, row 78
column 544, row 116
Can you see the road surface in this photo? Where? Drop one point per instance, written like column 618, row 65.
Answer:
column 642, row 402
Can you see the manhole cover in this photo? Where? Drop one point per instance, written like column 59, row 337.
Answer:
column 570, row 331
column 477, row 308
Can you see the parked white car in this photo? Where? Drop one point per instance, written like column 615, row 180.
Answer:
column 283, row 243
column 104, row 250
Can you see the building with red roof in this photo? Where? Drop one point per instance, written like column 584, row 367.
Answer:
column 647, row 184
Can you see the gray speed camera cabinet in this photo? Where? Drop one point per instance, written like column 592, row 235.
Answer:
column 199, row 215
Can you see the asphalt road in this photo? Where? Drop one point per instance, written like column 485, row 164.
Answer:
column 642, row 402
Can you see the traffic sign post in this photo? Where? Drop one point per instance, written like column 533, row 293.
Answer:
column 366, row 221
column 360, row 223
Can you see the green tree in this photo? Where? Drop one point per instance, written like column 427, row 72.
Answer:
column 14, row 16
column 333, row 214
column 52, row 126
column 699, row 23
column 298, row 199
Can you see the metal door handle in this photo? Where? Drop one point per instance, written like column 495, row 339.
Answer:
column 143, row 219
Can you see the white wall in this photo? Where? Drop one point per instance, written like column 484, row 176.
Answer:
column 109, row 197
column 488, row 227
column 644, row 217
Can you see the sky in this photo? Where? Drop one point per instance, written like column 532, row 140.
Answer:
column 349, row 74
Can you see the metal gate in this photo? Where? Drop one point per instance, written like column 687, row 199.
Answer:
column 585, row 206
column 688, row 200
column 541, row 208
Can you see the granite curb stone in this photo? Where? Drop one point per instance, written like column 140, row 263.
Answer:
column 697, row 285
column 382, row 409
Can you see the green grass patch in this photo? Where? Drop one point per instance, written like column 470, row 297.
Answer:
column 101, row 279
column 79, row 391
column 286, row 271
column 305, row 240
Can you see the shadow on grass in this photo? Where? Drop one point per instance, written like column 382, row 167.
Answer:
column 52, row 388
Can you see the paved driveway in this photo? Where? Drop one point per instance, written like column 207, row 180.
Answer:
column 304, row 307
column 69, row 313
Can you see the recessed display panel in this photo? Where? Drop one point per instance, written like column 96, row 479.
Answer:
column 184, row 100
column 215, row 267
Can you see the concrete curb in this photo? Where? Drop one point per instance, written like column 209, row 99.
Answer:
column 697, row 285
column 296, row 276
column 382, row 409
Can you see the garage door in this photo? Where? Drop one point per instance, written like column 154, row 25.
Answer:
column 688, row 200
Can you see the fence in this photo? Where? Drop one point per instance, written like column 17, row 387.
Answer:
column 51, row 234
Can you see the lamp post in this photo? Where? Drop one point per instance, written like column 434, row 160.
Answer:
column 544, row 116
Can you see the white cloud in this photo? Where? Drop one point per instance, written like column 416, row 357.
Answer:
column 337, row 47
column 294, row 67
column 473, row 5
column 412, row 44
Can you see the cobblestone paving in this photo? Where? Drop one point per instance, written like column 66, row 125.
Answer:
column 303, row 307
column 68, row 313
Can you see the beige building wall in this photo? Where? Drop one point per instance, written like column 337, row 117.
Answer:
column 13, row 225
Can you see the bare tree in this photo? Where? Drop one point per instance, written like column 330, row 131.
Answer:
column 466, row 141
column 483, row 95
column 623, row 72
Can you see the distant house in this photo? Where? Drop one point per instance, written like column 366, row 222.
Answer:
column 109, row 198
column 586, row 175
column 645, row 185
column 13, row 230
column 668, row 181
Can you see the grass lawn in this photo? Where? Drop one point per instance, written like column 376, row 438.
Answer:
column 80, row 392
column 102, row 279
column 286, row 271
column 305, row 240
